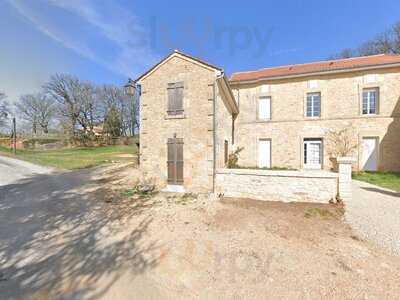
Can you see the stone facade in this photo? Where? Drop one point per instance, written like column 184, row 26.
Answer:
column 195, row 126
column 341, row 96
column 219, row 116
column 286, row 186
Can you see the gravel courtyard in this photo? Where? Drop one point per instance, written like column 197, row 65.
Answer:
column 374, row 214
column 86, row 235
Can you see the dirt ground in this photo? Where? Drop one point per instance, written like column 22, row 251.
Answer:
column 167, row 246
column 241, row 248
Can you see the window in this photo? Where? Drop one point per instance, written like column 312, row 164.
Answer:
column 313, row 107
column 264, row 108
column 370, row 101
column 175, row 98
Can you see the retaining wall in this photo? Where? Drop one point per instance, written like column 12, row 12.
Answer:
column 270, row 185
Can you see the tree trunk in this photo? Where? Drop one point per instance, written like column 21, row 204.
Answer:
column 45, row 129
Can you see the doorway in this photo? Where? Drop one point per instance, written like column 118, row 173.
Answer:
column 369, row 154
column 264, row 153
column 312, row 154
column 175, row 161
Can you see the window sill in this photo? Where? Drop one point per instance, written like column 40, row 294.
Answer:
column 312, row 118
column 169, row 117
column 263, row 120
column 369, row 115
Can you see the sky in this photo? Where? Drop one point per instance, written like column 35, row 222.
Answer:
column 109, row 41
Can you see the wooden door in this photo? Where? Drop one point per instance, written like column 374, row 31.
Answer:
column 175, row 161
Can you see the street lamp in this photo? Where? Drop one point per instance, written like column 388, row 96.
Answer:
column 130, row 90
column 130, row 87
column 4, row 115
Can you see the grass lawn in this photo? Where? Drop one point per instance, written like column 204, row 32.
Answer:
column 75, row 158
column 384, row 179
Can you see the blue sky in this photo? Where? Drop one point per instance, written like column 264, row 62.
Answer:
column 109, row 41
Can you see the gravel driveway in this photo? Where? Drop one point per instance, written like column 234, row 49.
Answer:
column 374, row 213
column 84, row 235
column 12, row 170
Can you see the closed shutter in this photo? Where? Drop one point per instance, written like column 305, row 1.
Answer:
column 175, row 98
column 171, row 161
column 179, row 98
column 179, row 161
column 171, row 99
column 175, row 161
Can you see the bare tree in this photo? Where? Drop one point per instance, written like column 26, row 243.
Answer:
column 82, row 105
column 113, row 97
column 133, row 113
column 386, row 42
column 341, row 142
column 4, row 109
column 90, row 110
column 37, row 109
column 65, row 90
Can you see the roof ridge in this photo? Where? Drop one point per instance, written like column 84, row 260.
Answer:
column 178, row 52
column 316, row 62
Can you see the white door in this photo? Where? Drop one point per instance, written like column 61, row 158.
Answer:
column 369, row 154
column 313, row 154
column 264, row 153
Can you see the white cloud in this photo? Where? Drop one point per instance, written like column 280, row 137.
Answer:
column 121, row 32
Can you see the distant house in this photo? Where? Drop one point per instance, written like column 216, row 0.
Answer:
column 98, row 130
column 193, row 116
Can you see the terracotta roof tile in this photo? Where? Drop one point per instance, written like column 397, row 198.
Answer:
column 321, row 66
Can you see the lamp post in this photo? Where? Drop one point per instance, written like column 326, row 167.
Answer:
column 130, row 90
column 13, row 131
column 14, row 136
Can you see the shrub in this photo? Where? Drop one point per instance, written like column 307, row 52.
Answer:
column 31, row 143
column 234, row 158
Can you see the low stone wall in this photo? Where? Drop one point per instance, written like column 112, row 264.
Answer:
column 286, row 186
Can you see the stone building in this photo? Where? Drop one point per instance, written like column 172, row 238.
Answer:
column 296, row 117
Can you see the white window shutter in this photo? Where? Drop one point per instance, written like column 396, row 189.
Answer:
column 264, row 108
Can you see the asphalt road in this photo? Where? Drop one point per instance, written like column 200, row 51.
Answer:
column 59, row 239
column 12, row 170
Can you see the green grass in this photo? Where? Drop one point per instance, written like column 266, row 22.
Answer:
column 74, row 158
column 318, row 212
column 388, row 180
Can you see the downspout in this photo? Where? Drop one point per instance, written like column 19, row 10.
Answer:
column 214, row 134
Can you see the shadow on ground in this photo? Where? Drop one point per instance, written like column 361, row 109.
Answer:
column 382, row 191
column 59, row 238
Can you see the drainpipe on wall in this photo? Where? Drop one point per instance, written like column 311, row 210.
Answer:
column 214, row 136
